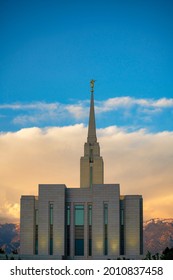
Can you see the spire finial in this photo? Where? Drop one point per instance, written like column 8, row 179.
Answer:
column 92, row 126
column 92, row 85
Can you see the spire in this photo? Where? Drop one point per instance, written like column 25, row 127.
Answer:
column 91, row 164
column 92, row 126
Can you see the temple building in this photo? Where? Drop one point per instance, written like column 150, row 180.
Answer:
column 90, row 222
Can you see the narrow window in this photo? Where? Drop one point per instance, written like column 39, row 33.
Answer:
column 91, row 155
column 36, row 231
column 141, row 226
column 51, row 228
column 68, row 230
column 105, row 228
column 91, row 176
column 79, row 230
column 90, row 230
column 121, row 227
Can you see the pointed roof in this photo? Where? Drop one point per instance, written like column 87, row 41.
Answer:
column 92, row 125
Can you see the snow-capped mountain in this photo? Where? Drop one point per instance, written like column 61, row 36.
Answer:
column 158, row 234
column 9, row 237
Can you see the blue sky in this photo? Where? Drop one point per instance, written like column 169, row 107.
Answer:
column 49, row 52
column 51, row 49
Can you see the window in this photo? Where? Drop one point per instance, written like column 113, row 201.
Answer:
column 79, row 215
column 121, row 227
column 68, row 229
column 90, row 230
column 141, row 226
column 51, row 213
column 91, row 176
column 105, row 228
column 36, row 231
column 68, row 215
column 79, row 230
column 51, row 228
column 91, row 155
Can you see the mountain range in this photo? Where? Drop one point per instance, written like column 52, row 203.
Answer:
column 158, row 234
column 9, row 237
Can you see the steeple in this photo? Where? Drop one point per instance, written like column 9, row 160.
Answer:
column 92, row 126
column 91, row 164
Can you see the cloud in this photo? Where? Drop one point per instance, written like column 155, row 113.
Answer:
column 35, row 118
column 114, row 103
column 163, row 103
column 128, row 102
column 9, row 212
column 140, row 161
column 36, row 113
column 77, row 111
column 31, row 106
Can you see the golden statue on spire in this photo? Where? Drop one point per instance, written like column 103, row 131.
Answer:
column 92, row 85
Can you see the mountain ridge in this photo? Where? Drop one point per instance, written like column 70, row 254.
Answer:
column 158, row 234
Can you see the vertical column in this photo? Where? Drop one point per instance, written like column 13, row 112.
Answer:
column 106, row 230
column 51, row 230
column 43, row 229
column 132, row 226
column 98, row 222
column 27, row 225
column 59, row 221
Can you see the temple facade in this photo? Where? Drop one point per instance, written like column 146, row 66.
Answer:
column 90, row 222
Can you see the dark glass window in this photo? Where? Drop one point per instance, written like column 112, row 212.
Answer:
column 79, row 215
column 36, row 217
column 122, row 217
column 90, row 230
column 105, row 228
column 90, row 215
column 51, row 213
column 141, row 226
column 91, row 155
column 68, row 230
column 121, row 227
column 105, row 214
column 36, row 232
column 68, row 215
column 91, row 176
column 51, row 228
column 79, row 230
column 79, row 247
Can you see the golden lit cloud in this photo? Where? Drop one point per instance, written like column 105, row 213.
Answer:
column 141, row 162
